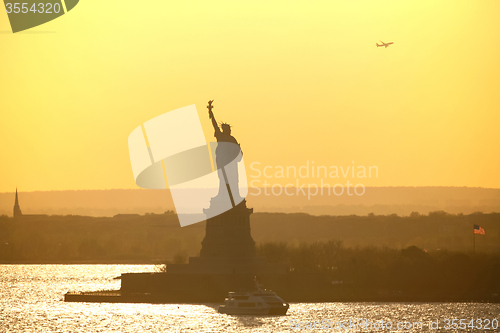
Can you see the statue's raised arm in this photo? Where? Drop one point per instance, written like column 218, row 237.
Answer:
column 211, row 116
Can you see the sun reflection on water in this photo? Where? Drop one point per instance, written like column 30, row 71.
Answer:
column 31, row 301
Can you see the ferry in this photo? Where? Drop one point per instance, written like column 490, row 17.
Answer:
column 258, row 303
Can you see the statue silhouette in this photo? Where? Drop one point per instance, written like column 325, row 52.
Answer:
column 227, row 154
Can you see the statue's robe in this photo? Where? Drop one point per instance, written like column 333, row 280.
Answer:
column 227, row 156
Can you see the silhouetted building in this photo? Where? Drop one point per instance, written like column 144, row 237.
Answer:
column 17, row 209
column 18, row 214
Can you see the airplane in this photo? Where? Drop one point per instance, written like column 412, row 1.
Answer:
column 384, row 44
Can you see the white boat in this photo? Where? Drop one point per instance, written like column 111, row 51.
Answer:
column 260, row 302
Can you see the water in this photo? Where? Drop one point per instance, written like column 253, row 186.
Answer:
column 31, row 301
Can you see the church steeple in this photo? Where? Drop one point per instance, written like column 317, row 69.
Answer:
column 17, row 209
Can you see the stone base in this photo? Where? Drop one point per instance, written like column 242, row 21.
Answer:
column 228, row 235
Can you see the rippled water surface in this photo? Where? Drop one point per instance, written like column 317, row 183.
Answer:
column 31, row 301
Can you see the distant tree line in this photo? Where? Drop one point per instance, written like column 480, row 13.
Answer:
column 158, row 237
column 437, row 230
column 153, row 237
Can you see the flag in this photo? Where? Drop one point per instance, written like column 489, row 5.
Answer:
column 478, row 230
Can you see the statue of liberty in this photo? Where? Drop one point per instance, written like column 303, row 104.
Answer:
column 227, row 155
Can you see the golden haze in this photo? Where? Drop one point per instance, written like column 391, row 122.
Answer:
column 297, row 80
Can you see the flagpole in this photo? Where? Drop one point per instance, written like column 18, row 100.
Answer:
column 473, row 239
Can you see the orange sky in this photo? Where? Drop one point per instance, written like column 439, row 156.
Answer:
column 299, row 81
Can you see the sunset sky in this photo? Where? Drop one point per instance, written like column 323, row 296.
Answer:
column 298, row 80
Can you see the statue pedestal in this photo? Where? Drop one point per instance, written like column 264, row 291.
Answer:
column 228, row 247
column 228, row 235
